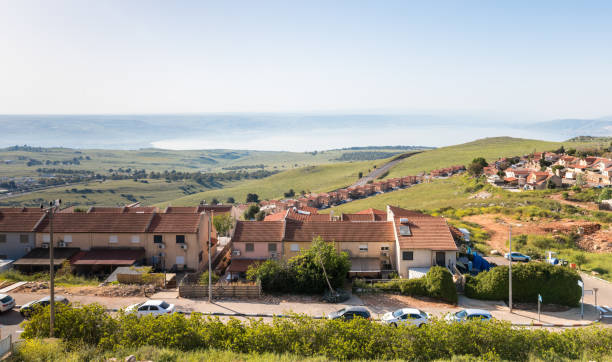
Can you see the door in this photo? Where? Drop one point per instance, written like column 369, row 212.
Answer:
column 440, row 258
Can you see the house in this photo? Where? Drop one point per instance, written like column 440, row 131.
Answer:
column 17, row 232
column 376, row 241
column 538, row 180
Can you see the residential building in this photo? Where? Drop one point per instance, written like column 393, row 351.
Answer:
column 17, row 232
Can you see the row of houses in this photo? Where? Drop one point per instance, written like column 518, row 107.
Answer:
column 540, row 169
column 377, row 242
column 328, row 199
column 102, row 238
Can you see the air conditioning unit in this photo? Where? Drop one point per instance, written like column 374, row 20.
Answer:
column 235, row 252
column 61, row 244
column 273, row 254
column 161, row 246
column 384, row 253
column 184, row 246
column 45, row 245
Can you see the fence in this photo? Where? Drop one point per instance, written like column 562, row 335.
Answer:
column 157, row 279
column 5, row 346
column 237, row 290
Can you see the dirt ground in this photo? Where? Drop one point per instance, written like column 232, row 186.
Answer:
column 594, row 238
column 384, row 301
column 100, row 291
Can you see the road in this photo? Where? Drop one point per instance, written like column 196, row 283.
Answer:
column 381, row 170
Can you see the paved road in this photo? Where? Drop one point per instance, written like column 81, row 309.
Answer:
column 381, row 170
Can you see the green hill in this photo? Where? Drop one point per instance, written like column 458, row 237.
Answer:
column 309, row 179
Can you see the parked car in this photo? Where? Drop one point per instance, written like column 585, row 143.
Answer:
column 27, row 309
column 406, row 316
column 518, row 257
column 155, row 307
column 349, row 313
column 6, row 303
column 469, row 314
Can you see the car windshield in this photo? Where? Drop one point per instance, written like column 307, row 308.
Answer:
column 423, row 314
column 461, row 314
column 6, row 299
column 340, row 311
column 164, row 305
column 398, row 313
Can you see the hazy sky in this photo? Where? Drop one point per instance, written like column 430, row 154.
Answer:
column 514, row 59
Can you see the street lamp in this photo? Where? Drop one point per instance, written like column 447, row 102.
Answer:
column 53, row 205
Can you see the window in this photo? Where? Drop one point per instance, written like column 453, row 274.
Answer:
column 295, row 247
column 271, row 246
column 407, row 255
column 249, row 247
column 67, row 238
column 46, row 238
column 153, row 308
column 363, row 247
column 2, row 238
column 135, row 239
column 158, row 239
column 180, row 260
column 24, row 238
column 180, row 239
column 384, row 248
column 112, row 239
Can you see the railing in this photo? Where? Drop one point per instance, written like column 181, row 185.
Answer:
column 238, row 290
column 6, row 346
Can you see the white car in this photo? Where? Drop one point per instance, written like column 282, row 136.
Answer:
column 518, row 257
column 6, row 303
column 155, row 307
column 469, row 314
column 406, row 316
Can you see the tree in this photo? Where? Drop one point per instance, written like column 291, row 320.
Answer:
column 260, row 216
column 215, row 201
column 550, row 184
column 307, row 272
column 230, row 200
column 223, row 223
column 579, row 259
column 475, row 169
column 252, row 198
column 480, row 161
column 580, row 180
column 571, row 151
column 249, row 214
column 544, row 163
column 289, row 193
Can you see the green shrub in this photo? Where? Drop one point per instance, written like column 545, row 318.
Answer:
column 203, row 280
column 340, row 340
column 557, row 285
column 439, row 282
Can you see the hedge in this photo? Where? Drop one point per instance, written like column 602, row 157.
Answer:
column 556, row 284
column 437, row 283
column 305, row 336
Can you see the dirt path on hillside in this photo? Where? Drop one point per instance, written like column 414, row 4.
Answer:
column 583, row 205
column 594, row 238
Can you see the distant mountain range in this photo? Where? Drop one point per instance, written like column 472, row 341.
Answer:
column 274, row 131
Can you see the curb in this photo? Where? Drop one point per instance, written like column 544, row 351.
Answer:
column 556, row 324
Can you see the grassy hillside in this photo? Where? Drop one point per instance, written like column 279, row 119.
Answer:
column 108, row 193
column 310, row 179
column 489, row 148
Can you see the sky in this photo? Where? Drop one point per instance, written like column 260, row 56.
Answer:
column 522, row 60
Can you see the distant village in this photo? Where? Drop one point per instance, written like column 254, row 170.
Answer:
column 542, row 170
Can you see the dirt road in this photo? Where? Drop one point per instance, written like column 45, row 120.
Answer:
column 583, row 205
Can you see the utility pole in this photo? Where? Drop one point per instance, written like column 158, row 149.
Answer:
column 50, row 211
column 210, row 216
column 510, row 269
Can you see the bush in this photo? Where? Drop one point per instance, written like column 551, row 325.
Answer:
column 343, row 340
column 203, row 280
column 557, row 285
column 439, row 282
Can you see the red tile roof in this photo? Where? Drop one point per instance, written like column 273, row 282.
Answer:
column 97, row 223
column 181, row 210
column 371, row 211
column 20, row 209
column 340, row 231
column 427, row 233
column 306, row 216
column 247, row 231
column 277, row 216
column 15, row 222
column 175, row 223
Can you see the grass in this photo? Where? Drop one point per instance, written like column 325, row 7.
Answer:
column 63, row 279
column 112, row 192
column 489, row 148
column 309, row 179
